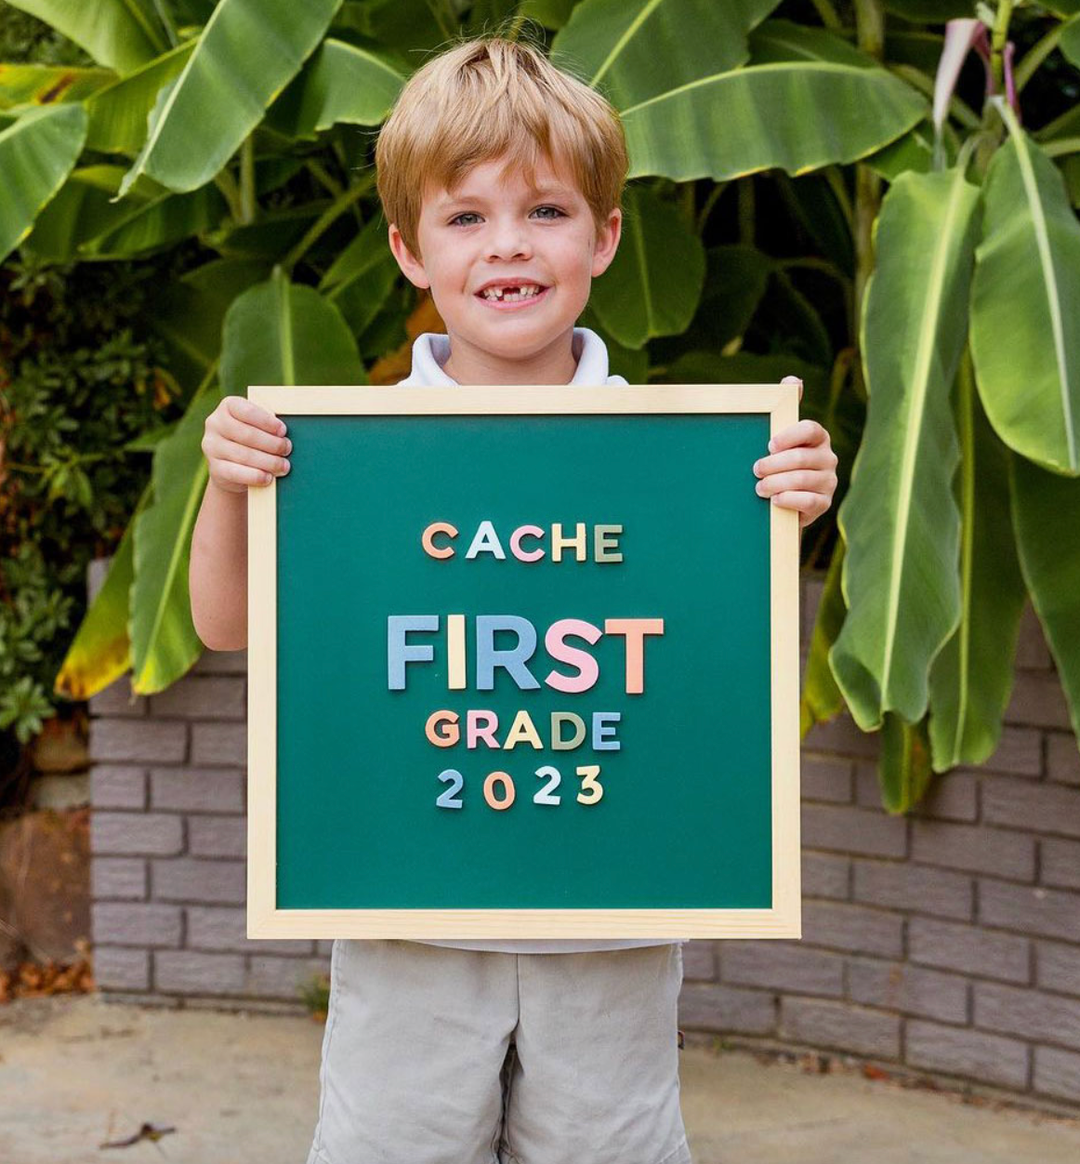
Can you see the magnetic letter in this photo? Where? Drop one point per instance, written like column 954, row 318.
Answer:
column 486, row 541
column 605, row 543
column 558, row 744
column 588, row 667
column 603, row 734
column 558, row 541
column 512, row 660
column 442, row 728
column 522, row 730
column 515, row 543
column 427, row 539
column 398, row 652
column 455, row 652
column 635, row 630
column 474, row 732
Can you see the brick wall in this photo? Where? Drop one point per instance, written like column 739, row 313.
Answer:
column 946, row 943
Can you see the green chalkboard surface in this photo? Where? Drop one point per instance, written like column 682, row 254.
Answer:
column 675, row 814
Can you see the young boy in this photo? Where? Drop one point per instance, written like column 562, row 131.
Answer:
column 495, row 170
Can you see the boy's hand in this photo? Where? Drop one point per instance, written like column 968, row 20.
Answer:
column 244, row 444
column 800, row 474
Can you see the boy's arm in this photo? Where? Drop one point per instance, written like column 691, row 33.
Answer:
column 217, row 574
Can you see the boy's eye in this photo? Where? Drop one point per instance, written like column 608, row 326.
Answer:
column 557, row 213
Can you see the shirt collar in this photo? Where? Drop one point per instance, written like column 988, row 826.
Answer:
column 431, row 350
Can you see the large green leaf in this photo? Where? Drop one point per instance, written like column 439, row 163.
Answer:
column 119, row 113
column 247, row 53
column 820, row 699
column 341, row 83
column 360, row 280
column 899, row 519
column 653, row 284
column 100, row 652
column 37, row 152
column 49, row 84
column 1025, row 306
column 972, row 676
column 636, row 49
column 904, row 771
column 807, row 99
column 122, row 34
column 1069, row 42
column 164, row 644
column 1046, row 516
column 279, row 332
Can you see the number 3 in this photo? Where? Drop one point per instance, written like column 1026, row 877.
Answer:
column 590, row 784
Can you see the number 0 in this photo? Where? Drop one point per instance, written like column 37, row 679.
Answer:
column 507, row 799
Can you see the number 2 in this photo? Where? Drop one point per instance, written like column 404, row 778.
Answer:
column 547, row 794
column 450, row 798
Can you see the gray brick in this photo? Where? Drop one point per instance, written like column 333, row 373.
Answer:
column 853, row 830
column 1037, row 701
column 782, row 965
column 192, row 972
column 699, row 961
column 225, row 928
column 914, row 887
column 708, row 1007
column 1050, row 913
column 324, row 946
column 840, row 1025
column 1060, row 863
column 951, row 796
column 201, row 697
column 974, row 847
column 197, row 789
column 825, row 778
column 219, row 743
column 272, row 977
column 134, row 833
column 120, row 968
column 217, row 836
column 1032, row 652
column 1043, row 808
column 121, row 878
column 116, row 786
column 962, row 1051
column 826, row 875
column 136, row 923
column 969, row 949
column 134, row 740
column 1062, row 758
column 1019, row 752
column 192, row 879
column 841, row 734
column 852, row 927
column 910, row 989
column 1032, row 1014
column 118, row 699
column 1057, row 1073
column 1058, row 967
column 221, row 663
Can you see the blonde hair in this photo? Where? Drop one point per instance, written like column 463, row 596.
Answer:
column 486, row 98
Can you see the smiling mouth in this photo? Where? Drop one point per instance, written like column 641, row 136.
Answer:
column 512, row 298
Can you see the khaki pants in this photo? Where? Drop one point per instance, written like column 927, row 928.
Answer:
column 433, row 1055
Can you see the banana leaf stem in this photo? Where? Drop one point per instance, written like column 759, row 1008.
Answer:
column 247, row 181
column 336, row 208
column 1035, row 56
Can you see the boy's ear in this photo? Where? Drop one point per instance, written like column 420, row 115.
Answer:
column 607, row 242
column 411, row 267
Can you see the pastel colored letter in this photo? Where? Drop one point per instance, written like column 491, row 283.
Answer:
column 603, row 734
column 486, row 541
column 427, row 539
column 588, row 668
column 635, row 630
column 512, row 660
column 515, row 543
column 442, row 728
column 398, row 652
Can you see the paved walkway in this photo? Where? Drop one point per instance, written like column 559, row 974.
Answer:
column 75, row 1071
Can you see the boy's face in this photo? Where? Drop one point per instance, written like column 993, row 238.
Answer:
column 501, row 230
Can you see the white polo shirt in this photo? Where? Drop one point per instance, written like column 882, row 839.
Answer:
column 429, row 352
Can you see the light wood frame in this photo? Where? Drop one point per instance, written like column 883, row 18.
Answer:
column 265, row 920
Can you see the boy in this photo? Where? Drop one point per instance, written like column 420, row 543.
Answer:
column 496, row 172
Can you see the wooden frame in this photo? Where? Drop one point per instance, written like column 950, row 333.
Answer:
column 265, row 920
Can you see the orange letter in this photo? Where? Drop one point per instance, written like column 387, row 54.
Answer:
column 635, row 630
column 427, row 539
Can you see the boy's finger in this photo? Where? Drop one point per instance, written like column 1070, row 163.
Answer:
column 793, row 380
column 802, row 432
column 251, row 413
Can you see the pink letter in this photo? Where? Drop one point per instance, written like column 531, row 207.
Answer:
column 588, row 668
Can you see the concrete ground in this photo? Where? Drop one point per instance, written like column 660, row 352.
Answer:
column 76, row 1071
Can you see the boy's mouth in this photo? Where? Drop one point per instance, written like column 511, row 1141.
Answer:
column 512, row 296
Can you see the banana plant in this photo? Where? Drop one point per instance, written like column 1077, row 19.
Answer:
column 197, row 117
